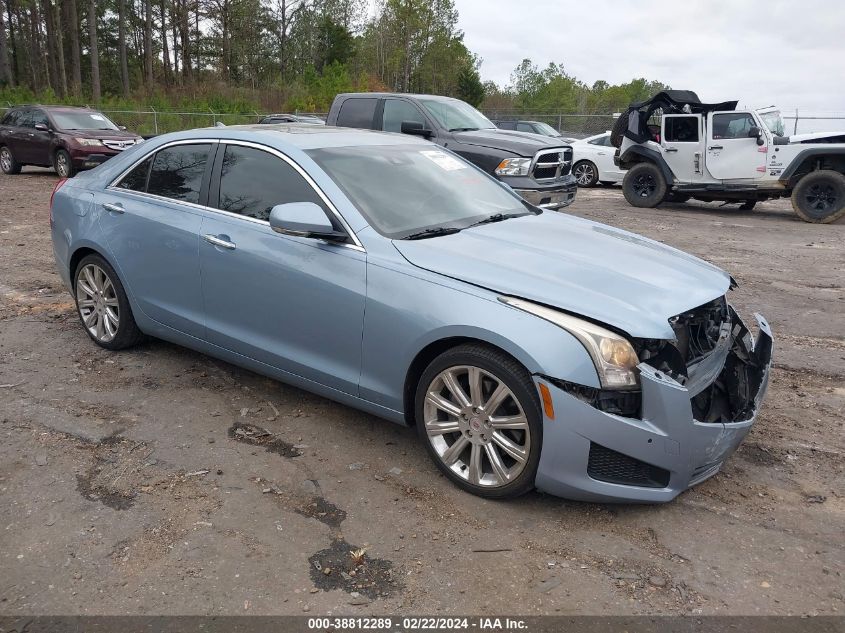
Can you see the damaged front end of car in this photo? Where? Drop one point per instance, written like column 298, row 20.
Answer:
column 697, row 399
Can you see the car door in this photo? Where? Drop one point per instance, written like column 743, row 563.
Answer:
column 680, row 140
column 395, row 112
column 294, row 303
column 603, row 154
column 40, row 141
column 20, row 136
column 151, row 217
column 731, row 153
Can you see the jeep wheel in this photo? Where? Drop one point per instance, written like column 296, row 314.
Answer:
column 644, row 186
column 819, row 197
column 586, row 173
column 748, row 205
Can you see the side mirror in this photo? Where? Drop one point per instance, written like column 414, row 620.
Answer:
column 122, row 127
column 416, row 128
column 303, row 219
column 756, row 132
column 41, row 127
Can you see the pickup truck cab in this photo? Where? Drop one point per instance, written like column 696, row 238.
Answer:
column 537, row 167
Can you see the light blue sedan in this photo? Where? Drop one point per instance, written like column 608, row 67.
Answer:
column 528, row 348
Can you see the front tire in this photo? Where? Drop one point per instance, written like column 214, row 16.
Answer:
column 819, row 197
column 8, row 163
column 63, row 164
column 644, row 186
column 103, row 306
column 478, row 413
column 586, row 173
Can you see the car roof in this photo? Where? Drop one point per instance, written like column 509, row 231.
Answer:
column 382, row 95
column 301, row 135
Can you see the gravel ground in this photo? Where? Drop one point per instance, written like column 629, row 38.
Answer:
column 158, row 480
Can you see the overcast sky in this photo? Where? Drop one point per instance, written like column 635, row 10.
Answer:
column 762, row 52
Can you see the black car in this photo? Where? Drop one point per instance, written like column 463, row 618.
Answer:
column 537, row 167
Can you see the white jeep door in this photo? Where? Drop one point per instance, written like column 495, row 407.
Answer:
column 731, row 153
column 681, row 146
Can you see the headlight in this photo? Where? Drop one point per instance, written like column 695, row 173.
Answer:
column 88, row 141
column 514, row 167
column 613, row 355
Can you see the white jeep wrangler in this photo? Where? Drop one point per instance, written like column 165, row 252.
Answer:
column 675, row 148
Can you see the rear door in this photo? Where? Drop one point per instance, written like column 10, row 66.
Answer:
column 731, row 153
column 20, row 138
column 151, row 218
column 680, row 138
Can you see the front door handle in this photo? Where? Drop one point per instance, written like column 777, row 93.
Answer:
column 670, row 149
column 213, row 239
column 715, row 147
column 114, row 207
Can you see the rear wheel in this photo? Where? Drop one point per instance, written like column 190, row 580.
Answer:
column 63, row 164
column 478, row 414
column 103, row 306
column 8, row 163
column 644, row 185
column 819, row 197
column 586, row 173
column 748, row 205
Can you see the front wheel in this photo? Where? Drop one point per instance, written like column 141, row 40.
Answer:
column 478, row 414
column 63, row 164
column 644, row 186
column 819, row 197
column 586, row 173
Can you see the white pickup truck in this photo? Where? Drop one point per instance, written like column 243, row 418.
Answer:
column 675, row 148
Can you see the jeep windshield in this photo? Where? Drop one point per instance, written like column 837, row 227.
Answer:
column 773, row 121
column 457, row 116
column 413, row 190
column 82, row 121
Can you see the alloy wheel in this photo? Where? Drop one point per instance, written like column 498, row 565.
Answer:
column 477, row 426
column 5, row 160
column 97, row 301
column 584, row 174
column 62, row 166
column 822, row 197
column 644, row 185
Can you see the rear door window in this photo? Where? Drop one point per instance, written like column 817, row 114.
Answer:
column 680, row 129
column 357, row 113
column 11, row 118
column 253, row 181
column 177, row 172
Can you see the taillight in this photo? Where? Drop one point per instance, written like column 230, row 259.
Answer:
column 56, row 187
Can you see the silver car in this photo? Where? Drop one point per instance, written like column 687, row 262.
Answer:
column 530, row 349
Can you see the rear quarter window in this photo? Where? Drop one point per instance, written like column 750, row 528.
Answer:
column 357, row 113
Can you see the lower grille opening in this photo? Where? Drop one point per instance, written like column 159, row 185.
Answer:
column 607, row 465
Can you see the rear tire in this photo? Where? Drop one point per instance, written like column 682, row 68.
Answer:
column 8, row 163
column 63, row 164
column 586, row 173
column 644, row 186
column 748, row 205
column 486, row 439
column 102, row 305
column 819, row 197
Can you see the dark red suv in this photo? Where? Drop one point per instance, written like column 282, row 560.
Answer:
column 65, row 138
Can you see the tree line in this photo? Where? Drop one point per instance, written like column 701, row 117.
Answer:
column 238, row 55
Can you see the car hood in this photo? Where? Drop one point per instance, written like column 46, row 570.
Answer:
column 118, row 135
column 520, row 143
column 818, row 137
column 608, row 275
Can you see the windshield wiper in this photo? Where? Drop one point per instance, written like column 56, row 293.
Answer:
column 437, row 232
column 463, row 129
column 496, row 217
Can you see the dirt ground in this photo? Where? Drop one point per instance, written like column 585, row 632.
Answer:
column 158, row 480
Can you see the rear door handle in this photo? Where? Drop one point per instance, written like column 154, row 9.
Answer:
column 715, row 147
column 213, row 239
column 114, row 207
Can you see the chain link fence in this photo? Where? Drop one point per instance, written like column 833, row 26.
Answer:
column 151, row 122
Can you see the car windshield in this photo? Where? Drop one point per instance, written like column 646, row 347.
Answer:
column 82, row 121
column 773, row 121
column 456, row 116
column 546, row 129
column 405, row 189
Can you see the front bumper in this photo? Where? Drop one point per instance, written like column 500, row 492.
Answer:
column 553, row 196
column 85, row 160
column 666, row 445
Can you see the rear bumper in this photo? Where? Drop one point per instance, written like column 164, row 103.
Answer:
column 667, row 450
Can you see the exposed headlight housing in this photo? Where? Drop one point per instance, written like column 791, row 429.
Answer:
column 88, row 141
column 612, row 354
column 514, row 167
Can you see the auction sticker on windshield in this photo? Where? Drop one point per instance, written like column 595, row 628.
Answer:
column 444, row 161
